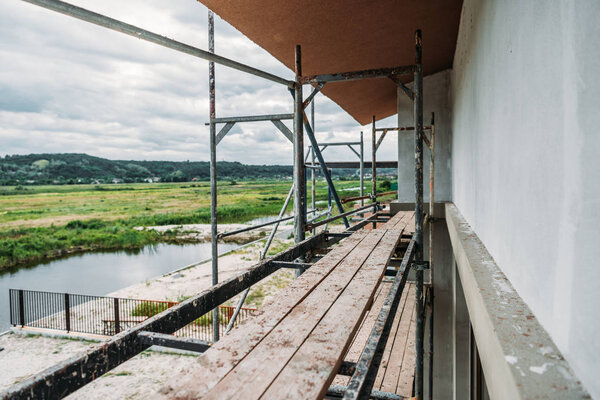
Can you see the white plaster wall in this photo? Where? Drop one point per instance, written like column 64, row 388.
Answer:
column 525, row 107
column 435, row 99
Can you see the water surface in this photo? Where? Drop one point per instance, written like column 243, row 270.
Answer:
column 99, row 273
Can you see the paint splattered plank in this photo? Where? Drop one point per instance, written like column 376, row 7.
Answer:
column 407, row 372
column 253, row 375
column 232, row 348
column 381, row 373
column 400, row 345
column 396, row 218
column 312, row 369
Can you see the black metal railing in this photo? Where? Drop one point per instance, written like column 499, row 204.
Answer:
column 103, row 315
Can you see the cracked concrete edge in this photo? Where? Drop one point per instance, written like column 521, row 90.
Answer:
column 519, row 359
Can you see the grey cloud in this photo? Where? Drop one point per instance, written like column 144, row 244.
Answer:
column 69, row 86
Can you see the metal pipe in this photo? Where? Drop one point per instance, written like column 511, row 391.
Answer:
column 356, row 164
column 342, row 215
column 362, row 169
column 380, row 140
column 431, row 228
column 182, row 343
column 253, row 227
column 339, row 144
column 252, row 118
column 237, row 311
column 418, row 116
column 402, row 86
column 274, row 230
column 313, row 178
column 213, row 170
column 368, row 196
column 139, row 33
column 356, row 75
column 374, row 166
column 323, row 165
column 403, row 128
column 316, row 90
column 300, row 217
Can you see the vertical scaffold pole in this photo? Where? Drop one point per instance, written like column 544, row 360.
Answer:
column 418, row 116
column 362, row 170
column 431, row 226
column 213, row 170
column 299, row 209
column 374, row 168
column 313, row 180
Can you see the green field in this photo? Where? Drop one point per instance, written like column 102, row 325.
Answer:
column 38, row 222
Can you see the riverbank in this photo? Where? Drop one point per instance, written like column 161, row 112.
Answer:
column 53, row 221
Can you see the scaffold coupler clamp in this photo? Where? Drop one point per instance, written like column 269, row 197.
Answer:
column 420, row 265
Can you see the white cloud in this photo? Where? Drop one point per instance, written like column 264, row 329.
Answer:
column 70, row 86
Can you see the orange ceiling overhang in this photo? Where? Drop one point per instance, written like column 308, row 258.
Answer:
column 340, row 36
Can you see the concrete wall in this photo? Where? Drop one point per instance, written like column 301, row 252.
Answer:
column 435, row 96
column 525, row 106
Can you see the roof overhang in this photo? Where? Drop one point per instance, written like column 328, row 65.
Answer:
column 340, row 36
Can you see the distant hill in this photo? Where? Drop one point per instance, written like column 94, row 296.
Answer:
column 35, row 169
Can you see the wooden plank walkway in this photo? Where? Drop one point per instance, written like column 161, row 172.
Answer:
column 295, row 346
column 396, row 371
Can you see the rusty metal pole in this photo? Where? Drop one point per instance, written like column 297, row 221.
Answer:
column 313, row 180
column 362, row 169
column 418, row 116
column 213, row 169
column 431, row 226
column 299, row 182
column 374, row 168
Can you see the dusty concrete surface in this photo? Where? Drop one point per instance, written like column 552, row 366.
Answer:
column 25, row 355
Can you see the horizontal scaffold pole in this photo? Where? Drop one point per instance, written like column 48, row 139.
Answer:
column 356, row 164
column 253, row 118
column 356, row 75
column 116, row 25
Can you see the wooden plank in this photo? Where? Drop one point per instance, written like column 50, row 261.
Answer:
column 392, row 372
column 390, row 343
column 409, row 216
column 253, row 375
column 360, row 339
column 407, row 372
column 232, row 348
column 410, row 226
column 312, row 369
column 391, row 224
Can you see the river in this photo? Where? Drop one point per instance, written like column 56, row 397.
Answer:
column 100, row 273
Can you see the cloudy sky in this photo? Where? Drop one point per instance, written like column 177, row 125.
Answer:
column 70, row 86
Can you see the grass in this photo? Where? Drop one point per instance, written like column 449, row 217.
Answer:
column 40, row 222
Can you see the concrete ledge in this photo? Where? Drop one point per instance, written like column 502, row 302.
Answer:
column 438, row 208
column 519, row 359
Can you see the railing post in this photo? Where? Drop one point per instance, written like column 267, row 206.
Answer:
column 21, row 309
column 117, row 319
column 67, row 313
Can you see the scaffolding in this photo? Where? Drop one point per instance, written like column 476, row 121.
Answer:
column 68, row 376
